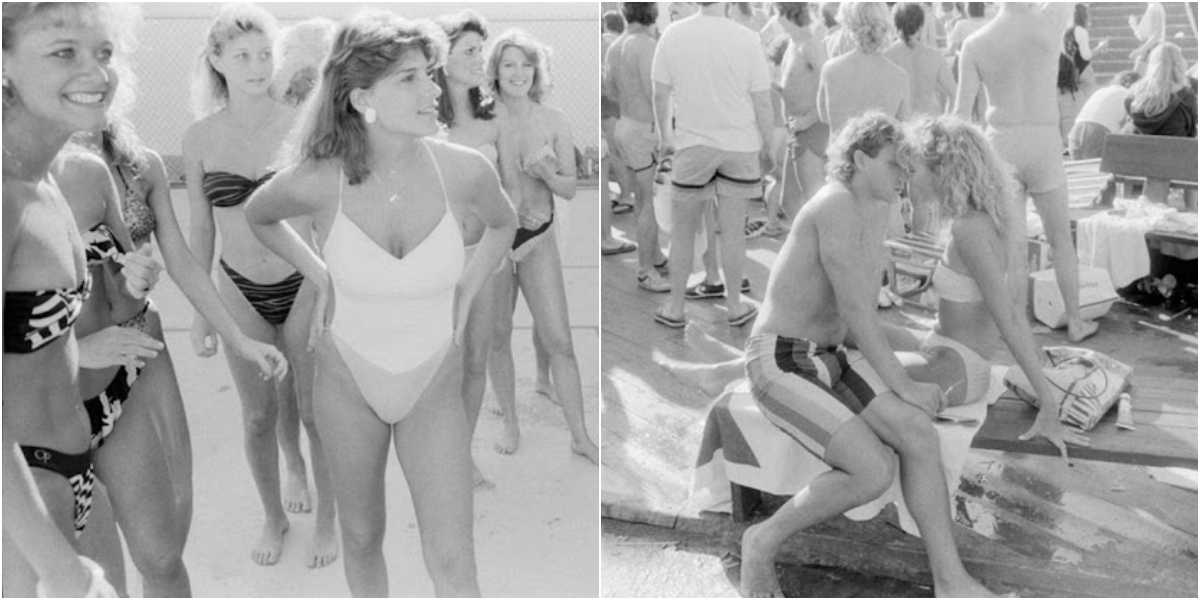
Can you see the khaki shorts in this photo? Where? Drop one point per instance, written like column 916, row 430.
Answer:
column 636, row 144
column 704, row 172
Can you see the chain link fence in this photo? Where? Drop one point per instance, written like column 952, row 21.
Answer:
column 173, row 33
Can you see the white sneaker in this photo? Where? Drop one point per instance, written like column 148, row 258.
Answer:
column 653, row 282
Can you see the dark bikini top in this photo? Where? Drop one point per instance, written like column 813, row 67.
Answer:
column 34, row 319
column 100, row 245
column 135, row 209
column 225, row 189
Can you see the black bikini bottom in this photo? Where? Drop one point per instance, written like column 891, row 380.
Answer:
column 76, row 468
column 524, row 241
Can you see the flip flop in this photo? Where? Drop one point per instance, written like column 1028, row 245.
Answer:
column 620, row 249
column 745, row 318
column 620, row 208
column 662, row 319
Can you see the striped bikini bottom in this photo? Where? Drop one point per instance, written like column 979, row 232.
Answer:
column 272, row 301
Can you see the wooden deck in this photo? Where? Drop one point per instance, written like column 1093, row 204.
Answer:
column 1107, row 526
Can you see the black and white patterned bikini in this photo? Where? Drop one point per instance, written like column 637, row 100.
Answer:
column 32, row 321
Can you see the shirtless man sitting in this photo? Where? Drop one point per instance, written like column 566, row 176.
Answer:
column 1015, row 57
column 850, row 407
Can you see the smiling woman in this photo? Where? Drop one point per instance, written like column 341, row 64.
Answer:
column 393, row 287
column 58, row 79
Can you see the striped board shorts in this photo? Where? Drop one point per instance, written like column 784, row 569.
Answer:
column 806, row 390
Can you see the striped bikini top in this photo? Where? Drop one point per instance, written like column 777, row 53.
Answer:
column 226, row 189
column 100, row 244
column 34, row 319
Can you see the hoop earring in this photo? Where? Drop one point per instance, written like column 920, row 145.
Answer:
column 369, row 115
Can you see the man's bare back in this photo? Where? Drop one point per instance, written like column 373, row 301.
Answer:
column 629, row 61
column 1016, row 56
column 800, row 301
column 855, row 83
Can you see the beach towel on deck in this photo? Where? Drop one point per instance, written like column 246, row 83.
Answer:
column 741, row 446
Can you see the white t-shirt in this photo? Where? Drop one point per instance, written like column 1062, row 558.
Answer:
column 1106, row 107
column 712, row 65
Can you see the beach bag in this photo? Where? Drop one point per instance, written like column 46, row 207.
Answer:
column 1085, row 382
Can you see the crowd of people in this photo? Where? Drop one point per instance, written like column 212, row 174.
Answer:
column 951, row 110
column 381, row 187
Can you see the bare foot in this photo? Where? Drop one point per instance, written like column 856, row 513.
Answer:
column 708, row 346
column 270, row 546
column 758, row 567
column 510, row 439
column 482, row 484
column 545, row 388
column 494, row 408
column 704, row 377
column 965, row 587
column 586, row 449
column 1077, row 332
column 295, row 493
column 324, row 549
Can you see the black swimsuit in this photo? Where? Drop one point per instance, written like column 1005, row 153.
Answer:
column 32, row 320
column 272, row 301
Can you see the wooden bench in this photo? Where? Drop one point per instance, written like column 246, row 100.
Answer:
column 1160, row 162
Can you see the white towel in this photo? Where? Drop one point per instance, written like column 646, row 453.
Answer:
column 1116, row 242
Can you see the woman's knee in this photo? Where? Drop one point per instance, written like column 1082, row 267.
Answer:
column 446, row 561
column 163, row 562
column 259, row 421
column 556, row 342
column 362, row 539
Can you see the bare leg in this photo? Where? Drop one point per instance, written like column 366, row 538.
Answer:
column 133, row 467
column 710, row 378
column 161, row 392
column 477, row 340
column 101, row 542
column 259, row 415
column 357, row 451
column 731, row 213
column 287, row 430
column 709, row 257
column 19, row 577
column 863, row 468
column 1052, row 206
column 294, row 333
column 910, row 432
column 543, row 387
column 540, row 278
column 500, row 359
column 433, row 446
column 685, row 217
column 649, row 251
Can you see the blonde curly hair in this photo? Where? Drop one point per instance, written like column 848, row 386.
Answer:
column 967, row 173
column 869, row 25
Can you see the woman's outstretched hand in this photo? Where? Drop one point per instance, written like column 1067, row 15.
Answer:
column 1048, row 426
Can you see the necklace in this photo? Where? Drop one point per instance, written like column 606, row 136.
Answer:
column 394, row 197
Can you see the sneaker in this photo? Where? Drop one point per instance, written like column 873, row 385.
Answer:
column 653, row 282
column 620, row 208
column 664, row 267
column 705, row 290
column 755, row 227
